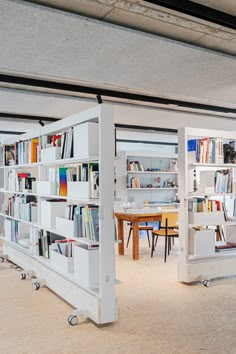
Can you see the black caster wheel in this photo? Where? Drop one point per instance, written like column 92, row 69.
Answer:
column 73, row 320
column 207, row 283
column 22, row 276
column 1, row 259
column 35, row 286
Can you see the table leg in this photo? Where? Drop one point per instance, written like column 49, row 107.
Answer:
column 121, row 248
column 135, row 240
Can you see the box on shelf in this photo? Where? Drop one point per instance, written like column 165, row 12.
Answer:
column 50, row 209
column 86, row 265
column 45, row 187
column 60, row 262
column 85, row 140
column 206, row 218
column 78, row 189
column 202, row 242
column 50, row 154
column 65, row 226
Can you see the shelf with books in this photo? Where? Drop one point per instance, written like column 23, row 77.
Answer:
column 207, row 204
column 93, row 134
column 154, row 188
column 69, row 161
column 152, row 172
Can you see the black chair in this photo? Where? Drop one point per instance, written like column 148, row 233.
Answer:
column 145, row 227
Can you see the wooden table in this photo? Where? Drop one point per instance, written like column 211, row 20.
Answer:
column 135, row 219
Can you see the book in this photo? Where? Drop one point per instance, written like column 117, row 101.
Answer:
column 34, row 145
column 221, row 246
column 63, row 181
column 9, row 155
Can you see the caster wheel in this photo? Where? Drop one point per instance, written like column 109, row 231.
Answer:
column 73, row 320
column 207, row 283
column 35, row 286
column 22, row 276
column 1, row 259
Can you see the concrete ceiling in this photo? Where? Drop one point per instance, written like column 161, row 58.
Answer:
column 155, row 19
column 45, row 43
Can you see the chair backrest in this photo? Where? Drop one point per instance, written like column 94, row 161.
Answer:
column 172, row 219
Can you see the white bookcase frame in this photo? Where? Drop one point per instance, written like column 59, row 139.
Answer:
column 124, row 193
column 194, row 268
column 98, row 304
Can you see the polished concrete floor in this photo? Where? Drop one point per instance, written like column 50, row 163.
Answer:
column 156, row 314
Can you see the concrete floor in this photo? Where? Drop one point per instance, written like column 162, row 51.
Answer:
column 156, row 314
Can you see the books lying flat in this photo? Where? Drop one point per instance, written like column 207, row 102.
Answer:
column 221, row 246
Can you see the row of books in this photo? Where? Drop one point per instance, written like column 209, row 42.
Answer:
column 224, row 181
column 137, row 166
column 220, row 181
column 134, row 166
column 206, row 150
column 15, row 231
column 133, row 182
column 29, row 151
column 80, row 173
column 198, row 205
column 19, row 181
column 86, row 220
column 23, row 207
column 45, row 240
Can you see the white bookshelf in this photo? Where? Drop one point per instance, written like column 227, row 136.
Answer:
column 195, row 267
column 156, row 165
column 98, row 304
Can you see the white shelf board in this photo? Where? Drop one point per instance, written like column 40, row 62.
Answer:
column 20, row 220
column 153, row 188
column 217, row 255
column 227, row 223
column 19, row 247
column 70, row 161
column 209, row 195
column 152, row 172
column 221, row 165
column 78, row 239
column 54, row 196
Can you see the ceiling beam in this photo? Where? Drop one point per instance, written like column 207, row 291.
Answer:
column 145, row 142
column 199, row 11
column 10, row 132
column 27, row 117
column 146, row 128
column 62, row 87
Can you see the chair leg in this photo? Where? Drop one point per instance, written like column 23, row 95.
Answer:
column 165, row 248
column 148, row 238
column 130, row 230
column 156, row 240
column 153, row 246
column 173, row 241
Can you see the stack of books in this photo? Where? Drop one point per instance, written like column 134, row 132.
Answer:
column 206, row 150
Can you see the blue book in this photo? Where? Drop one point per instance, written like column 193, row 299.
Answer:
column 94, row 219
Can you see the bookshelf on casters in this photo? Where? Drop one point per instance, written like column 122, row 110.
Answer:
column 207, row 218
column 58, row 210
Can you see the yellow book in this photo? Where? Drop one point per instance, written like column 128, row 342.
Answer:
column 34, row 144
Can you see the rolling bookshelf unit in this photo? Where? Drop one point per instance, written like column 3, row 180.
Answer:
column 202, row 207
column 86, row 279
column 152, row 177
